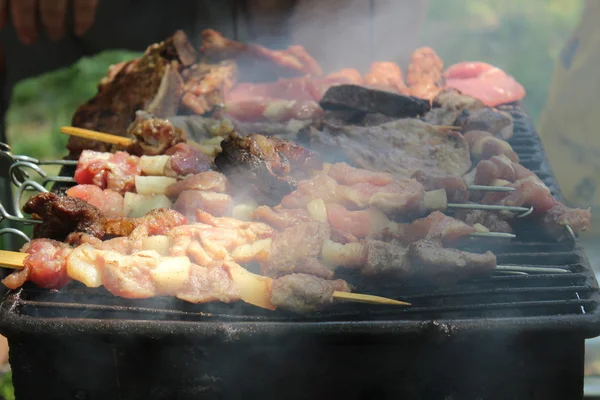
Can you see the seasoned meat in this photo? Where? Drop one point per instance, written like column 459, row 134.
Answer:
column 304, row 293
column 188, row 201
column 294, row 245
column 483, row 145
column 151, row 82
column 455, row 186
column 62, row 215
column 266, row 167
column 490, row 220
column 556, row 219
column 425, row 73
column 385, row 75
column 385, row 258
column 433, row 262
column 281, row 218
column 153, row 136
column 206, row 181
column 186, row 160
column 496, row 122
column 206, row 84
column 401, row 147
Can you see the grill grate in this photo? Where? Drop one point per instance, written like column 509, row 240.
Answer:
column 502, row 297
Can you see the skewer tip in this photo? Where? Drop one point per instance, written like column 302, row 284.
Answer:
column 367, row 298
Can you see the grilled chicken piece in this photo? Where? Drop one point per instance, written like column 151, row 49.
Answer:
column 425, row 73
column 268, row 167
column 153, row 136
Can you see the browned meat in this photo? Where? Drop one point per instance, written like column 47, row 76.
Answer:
column 281, row 218
column 483, row 145
column 424, row 259
column 433, row 262
column 490, row 220
column 206, row 181
column 400, row 147
column 304, row 293
column 267, row 167
column 153, row 136
column 425, row 73
column 259, row 63
column 455, row 186
column 206, row 85
column 156, row 222
column 556, row 219
column 151, row 83
column 294, row 246
column 186, row 160
column 207, row 284
column 62, row 215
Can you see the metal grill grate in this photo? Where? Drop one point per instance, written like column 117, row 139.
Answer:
column 500, row 297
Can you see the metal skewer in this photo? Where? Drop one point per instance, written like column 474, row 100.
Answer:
column 485, row 188
column 17, row 169
column 524, row 211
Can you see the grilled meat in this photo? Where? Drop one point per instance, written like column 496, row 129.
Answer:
column 401, row 147
column 385, row 75
column 151, row 83
column 266, row 167
column 257, row 63
column 153, row 136
column 206, row 181
column 493, row 221
column 186, row 160
column 62, row 215
column 304, row 293
column 483, row 145
column 107, row 170
column 455, row 186
column 206, row 84
column 281, row 218
column 424, row 75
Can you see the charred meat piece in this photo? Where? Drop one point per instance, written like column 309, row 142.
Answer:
column 62, row 215
column 424, row 76
column 268, row 167
column 257, row 63
column 368, row 100
column 153, row 136
column 304, row 293
column 151, row 83
column 401, row 147
column 296, row 249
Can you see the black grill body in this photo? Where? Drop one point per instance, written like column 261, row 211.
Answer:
column 498, row 337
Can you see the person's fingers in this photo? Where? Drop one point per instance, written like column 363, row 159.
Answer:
column 84, row 12
column 24, row 15
column 53, row 14
column 3, row 10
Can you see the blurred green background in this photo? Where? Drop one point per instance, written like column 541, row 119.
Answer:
column 522, row 37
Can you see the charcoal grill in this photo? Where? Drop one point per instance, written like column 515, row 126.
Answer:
column 499, row 337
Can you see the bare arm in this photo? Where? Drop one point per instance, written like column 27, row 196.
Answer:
column 337, row 32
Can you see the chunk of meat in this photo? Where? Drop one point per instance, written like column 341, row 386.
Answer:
column 129, row 276
column 207, row 284
column 483, row 146
column 206, row 181
column 108, row 171
column 292, row 246
column 259, row 62
column 62, row 215
column 490, row 220
column 485, row 82
column 280, row 218
column 266, row 167
column 304, row 293
column 189, row 201
column 253, row 230
column 159, row 221
column 45, row 265
column 498, row 123
column 559, row 216
column 186, row 160
column 153, row 136
column 206, row 85
column 386, row 75
column 424, row 74
column 455, row 186
column 109, row 202
column 348, row 175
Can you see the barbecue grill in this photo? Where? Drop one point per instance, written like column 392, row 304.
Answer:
column 504, row 336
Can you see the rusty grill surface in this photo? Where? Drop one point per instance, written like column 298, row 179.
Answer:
column 560, row 302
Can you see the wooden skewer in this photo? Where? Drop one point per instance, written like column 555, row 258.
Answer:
column 15, row 259
column 367, row 298
column 12, row 259
column 99, row 136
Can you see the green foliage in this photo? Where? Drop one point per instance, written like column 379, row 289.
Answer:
column 6, row 388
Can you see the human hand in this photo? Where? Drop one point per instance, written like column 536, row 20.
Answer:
column 53, row 15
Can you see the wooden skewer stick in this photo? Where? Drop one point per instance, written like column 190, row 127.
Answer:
column 12, row 259
column 99, row 136
column 367, row 298
column 15, row 259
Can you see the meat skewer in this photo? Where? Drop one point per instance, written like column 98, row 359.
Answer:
column 174, row 276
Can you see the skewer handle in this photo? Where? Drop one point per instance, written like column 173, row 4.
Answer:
column 99, row 136
column 367, row 298
column 12, row 259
